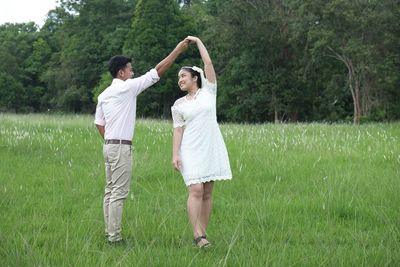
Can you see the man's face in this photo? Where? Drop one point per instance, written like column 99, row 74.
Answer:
column 127, row 72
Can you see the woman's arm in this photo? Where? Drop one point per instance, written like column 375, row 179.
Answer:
column 208, row 66
column 176, row 145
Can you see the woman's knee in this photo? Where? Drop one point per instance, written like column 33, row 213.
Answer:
column 207, row 195
column 196, row 190
column 208, row 188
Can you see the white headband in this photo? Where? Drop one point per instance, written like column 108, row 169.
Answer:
column 203, row 79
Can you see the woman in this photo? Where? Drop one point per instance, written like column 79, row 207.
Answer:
column 199, row 151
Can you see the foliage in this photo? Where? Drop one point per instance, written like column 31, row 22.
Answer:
column 105, row 81
column 157, row 27
column 300, row 60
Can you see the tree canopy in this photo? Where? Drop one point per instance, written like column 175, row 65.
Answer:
column 276, row 60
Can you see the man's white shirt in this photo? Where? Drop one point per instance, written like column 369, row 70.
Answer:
column 116, row 106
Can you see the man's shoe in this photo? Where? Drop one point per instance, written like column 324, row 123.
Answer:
column 117, row 242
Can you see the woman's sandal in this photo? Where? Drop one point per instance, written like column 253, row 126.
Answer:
column 197, row 240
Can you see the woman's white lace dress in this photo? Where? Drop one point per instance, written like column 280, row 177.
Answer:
column 203, row 152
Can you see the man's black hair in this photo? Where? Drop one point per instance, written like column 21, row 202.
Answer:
column 117, row 63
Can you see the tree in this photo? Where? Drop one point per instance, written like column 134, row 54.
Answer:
column 17, row 83
column 250, row 41
column 90, row 35
column 294, row 51
column 344, row 31
column 306, row 60
column 157, row 27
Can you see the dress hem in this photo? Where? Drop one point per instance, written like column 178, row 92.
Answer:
column 205, row 180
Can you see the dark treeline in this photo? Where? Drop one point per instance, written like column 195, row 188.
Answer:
column 276, row 60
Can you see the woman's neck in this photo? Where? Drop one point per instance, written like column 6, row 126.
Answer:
column 192, row 91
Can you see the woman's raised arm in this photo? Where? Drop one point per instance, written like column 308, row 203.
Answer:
column 208, row 65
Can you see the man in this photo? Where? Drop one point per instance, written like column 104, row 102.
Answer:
column 115, row 120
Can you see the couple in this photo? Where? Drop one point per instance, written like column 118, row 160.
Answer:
column 199, row 151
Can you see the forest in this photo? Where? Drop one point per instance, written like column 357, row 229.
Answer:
column 276, row 60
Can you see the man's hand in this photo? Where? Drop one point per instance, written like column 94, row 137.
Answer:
column 182, row 46
column 162, row 67
column 192, row 39
column 101, row 129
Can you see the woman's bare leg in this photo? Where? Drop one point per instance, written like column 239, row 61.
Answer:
column 206, row 205
column 194, row 207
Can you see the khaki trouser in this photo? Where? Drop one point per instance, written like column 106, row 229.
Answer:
column 118, row 162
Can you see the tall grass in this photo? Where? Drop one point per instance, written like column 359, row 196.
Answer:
column 302, row 195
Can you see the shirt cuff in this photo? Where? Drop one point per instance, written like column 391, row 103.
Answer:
column 100, row 122
column 154, row 75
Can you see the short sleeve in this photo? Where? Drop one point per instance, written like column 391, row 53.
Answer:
column 210, row 87
column 99, row 116
column 177, row 117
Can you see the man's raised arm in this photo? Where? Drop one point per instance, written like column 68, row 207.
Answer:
column 163, row 66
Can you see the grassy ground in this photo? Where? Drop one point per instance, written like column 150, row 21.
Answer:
column 302, row 195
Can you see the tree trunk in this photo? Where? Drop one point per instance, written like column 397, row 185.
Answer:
column 356, row 89
column 354, row 85
column 366, row 97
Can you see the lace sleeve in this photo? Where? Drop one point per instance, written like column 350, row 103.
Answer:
column 211, row 87
column 206, row 84
column 177, row 118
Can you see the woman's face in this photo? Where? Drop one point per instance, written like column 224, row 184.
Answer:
column 186, row 81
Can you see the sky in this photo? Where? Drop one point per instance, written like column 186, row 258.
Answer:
column 17, row 11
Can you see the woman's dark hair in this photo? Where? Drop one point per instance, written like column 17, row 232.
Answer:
column 193, row 73
column 117, row 63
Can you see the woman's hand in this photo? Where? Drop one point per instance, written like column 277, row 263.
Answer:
column 208, row 65
column 176, row 162
column 192, row 39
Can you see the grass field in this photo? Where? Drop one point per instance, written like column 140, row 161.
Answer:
column 302, row 195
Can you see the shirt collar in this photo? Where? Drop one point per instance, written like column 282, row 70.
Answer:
column 116, row 80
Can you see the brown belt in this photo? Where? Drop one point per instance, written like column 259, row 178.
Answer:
column 117, row 141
